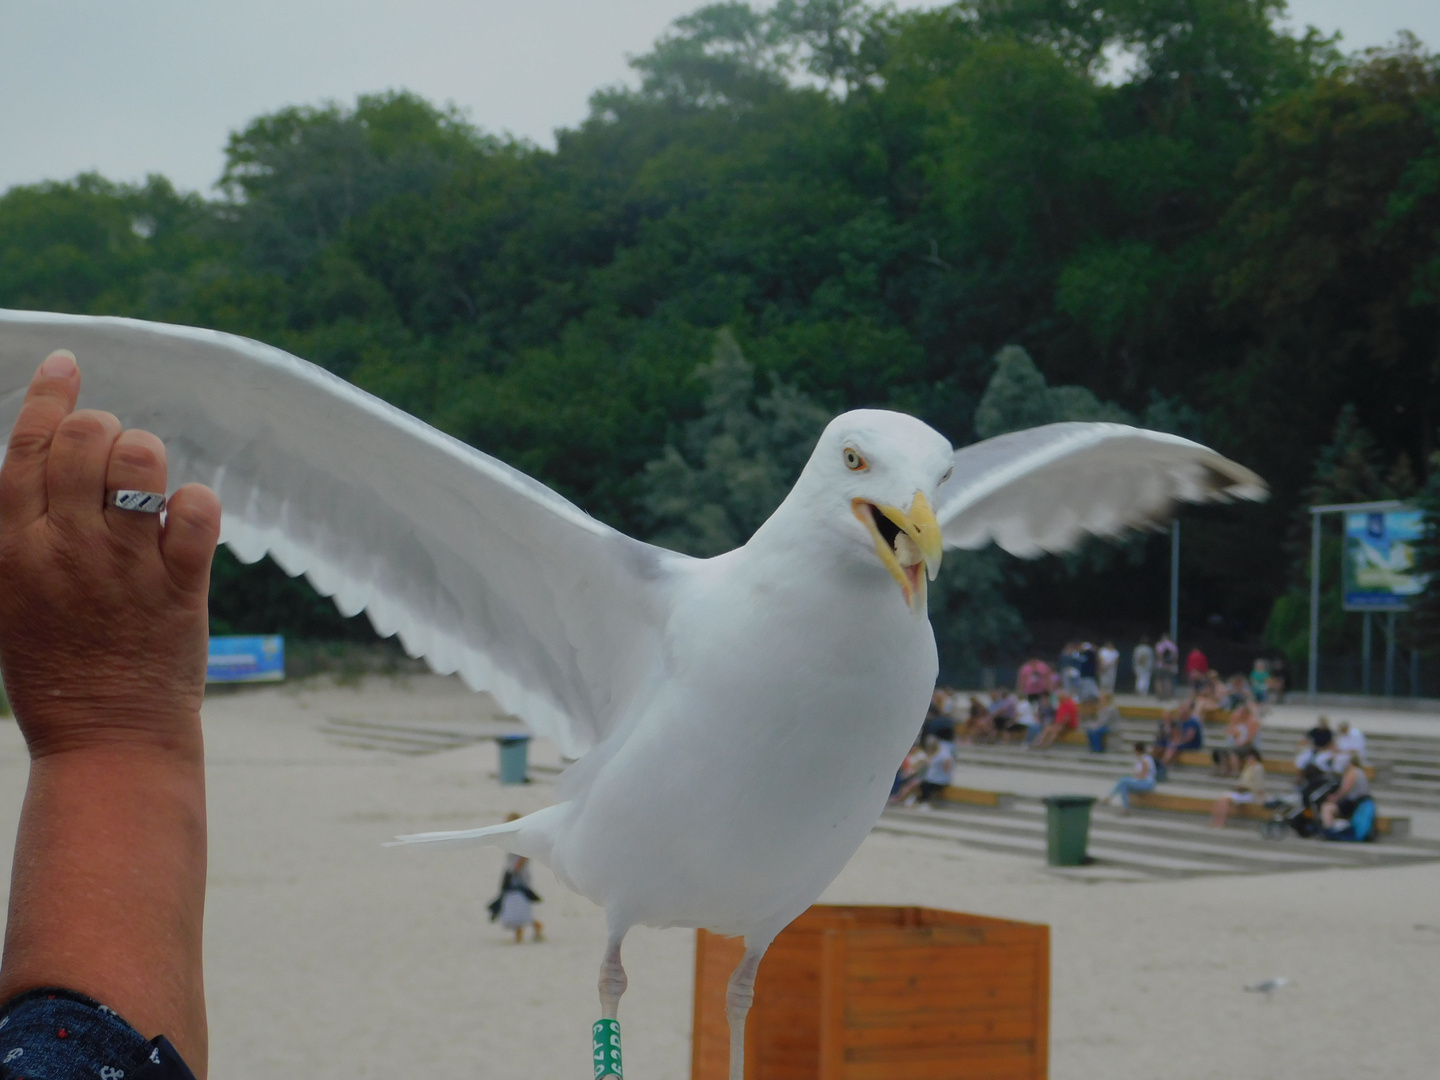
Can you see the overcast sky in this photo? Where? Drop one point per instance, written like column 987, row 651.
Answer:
column 157, row 85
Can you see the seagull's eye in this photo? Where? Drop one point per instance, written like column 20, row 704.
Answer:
column 853, row 461
column 948, row 473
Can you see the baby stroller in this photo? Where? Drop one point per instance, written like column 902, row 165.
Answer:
column 1300, row 811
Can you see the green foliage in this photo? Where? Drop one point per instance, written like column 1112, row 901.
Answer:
column 974, row 622
column 1423, row 622
column 1347, row 469
column 747, row 454
column 297, row 177
column 1017, row 397
column 91, row 245
column 1231, row 242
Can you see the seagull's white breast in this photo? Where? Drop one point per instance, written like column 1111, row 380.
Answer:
column 765, row 752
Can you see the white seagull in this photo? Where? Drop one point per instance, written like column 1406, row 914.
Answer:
column 738, row 720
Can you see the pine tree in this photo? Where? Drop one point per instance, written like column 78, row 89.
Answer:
column 739, row 459
column 1347, row 469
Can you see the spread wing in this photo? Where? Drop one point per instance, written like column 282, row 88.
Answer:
column 475, row 566
column 1041, row 490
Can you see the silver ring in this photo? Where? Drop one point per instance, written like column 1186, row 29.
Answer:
column 142, row 502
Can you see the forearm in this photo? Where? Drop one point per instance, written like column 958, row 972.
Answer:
column 108, row 887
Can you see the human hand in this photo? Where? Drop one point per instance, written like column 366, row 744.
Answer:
column 102, row 611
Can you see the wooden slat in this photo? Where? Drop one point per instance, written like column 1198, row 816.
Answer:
column 947, row 1027
column 976, row 796
column 925, row 939
column 1219, row 717
column 1275, row 766
column 782, row 1035
column 974, row 1052
column 890, row 1000
column 1040, row 959
column 1014, row 1067
column 939, row 917
column 715, row 958
column 833, row 992
column 1195, row 804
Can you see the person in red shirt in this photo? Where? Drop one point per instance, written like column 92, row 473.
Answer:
column 1197, row 667
column 1067, row 718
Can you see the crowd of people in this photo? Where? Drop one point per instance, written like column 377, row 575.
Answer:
column 1331, row 793
column 1077, row 693
column 1157, row 671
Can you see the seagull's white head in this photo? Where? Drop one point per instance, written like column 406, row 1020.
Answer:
column 874, row 477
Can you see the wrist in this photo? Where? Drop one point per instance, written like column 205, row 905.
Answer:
column 166, row 733
column 108, row 888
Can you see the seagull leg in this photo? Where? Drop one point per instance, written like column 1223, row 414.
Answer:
column 738, row 998
column 605, row 1034
column 612, row 979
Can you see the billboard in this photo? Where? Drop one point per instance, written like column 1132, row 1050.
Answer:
column 246, row 659
column 1379, row 566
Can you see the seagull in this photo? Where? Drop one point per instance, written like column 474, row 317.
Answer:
column 1268, row 987
column 737, row 720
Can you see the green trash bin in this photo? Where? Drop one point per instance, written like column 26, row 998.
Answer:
column 1067, row 829
column 514, row 758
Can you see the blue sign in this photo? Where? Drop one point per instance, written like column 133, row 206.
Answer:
column 1380, row 560
column 246, row 659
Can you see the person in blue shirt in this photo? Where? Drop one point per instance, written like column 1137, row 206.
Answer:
column 1189, row 735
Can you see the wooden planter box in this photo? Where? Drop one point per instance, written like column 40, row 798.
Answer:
column 883, row 993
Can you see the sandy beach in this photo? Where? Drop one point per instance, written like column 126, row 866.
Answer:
column 330, row 956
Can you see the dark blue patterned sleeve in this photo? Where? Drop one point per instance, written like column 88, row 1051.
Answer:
column 54, row 1034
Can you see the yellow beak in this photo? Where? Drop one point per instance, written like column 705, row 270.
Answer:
column 912, row 543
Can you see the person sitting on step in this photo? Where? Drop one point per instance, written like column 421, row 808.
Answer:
column 1142, row 781
column 1249, row 786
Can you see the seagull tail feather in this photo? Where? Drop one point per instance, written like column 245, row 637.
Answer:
column 490, row 836
column 529, row 836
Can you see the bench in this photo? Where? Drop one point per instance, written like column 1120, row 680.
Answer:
column 1273, row 766
column 978, row 797
column 1157, row 712
column 1396, row 827
column 1201, row 758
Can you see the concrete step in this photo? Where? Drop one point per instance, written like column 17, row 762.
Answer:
column 1146, row 845
column 401, row 738
column 1375, row 745
column 1072, row 761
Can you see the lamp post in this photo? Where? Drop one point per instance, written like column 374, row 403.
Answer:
column 1175, row 582
column 1314, row 681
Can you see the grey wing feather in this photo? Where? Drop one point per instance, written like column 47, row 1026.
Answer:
column 1042, row 490
column 475, row 566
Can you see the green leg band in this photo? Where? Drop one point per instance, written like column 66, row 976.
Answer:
column 606, row 1036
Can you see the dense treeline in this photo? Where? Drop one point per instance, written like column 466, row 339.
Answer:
column 993, row 214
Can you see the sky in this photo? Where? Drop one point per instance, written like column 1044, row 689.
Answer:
column 148, row 86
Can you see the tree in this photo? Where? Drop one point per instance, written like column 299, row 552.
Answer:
column 1018, row 397
column 90, row 245
column 1348, row 469
column 746, row 454
column 1423, row 623
column 1332, row 241
column 297, row 177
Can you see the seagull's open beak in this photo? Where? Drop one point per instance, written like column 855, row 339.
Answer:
column 905, row 542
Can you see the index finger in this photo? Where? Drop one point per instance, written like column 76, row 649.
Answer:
column 50, row 398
